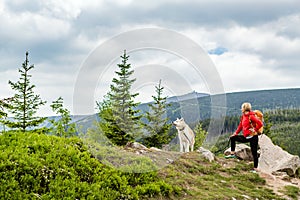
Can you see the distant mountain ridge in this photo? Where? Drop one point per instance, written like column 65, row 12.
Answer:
column 265, row 99
column 198, row 105
column 187, row 96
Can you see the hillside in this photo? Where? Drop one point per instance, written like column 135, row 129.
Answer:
column 225, row 179
column 200, row 108
column 34, row 166
column 197, row 106
column 264, row 99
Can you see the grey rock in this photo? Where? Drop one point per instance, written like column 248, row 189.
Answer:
column 154, row 149
column 242, row 151
column 207, row 154
column 273, row 158
column 135, row 145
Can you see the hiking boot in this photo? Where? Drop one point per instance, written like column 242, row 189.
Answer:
column 230, row 156
column 255, row 170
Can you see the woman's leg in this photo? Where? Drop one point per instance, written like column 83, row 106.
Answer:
column 237, row 138
column 254, row 146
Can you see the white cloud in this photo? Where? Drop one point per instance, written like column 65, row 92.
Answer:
column 240, row 71
column 249, row 72
column 27, row 26
column 258, row 57
column 6, row 90
column 261, row 38
column 62, row 9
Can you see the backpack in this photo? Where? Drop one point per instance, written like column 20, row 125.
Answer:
column 259, row 115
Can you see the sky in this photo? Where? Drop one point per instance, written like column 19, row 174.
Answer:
column 75, row 46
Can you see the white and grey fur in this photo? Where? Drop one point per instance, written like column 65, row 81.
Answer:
column 186, row 135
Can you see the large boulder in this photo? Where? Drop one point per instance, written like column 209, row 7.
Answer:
column 242, row 151
column 273, row 158
column 135, row 145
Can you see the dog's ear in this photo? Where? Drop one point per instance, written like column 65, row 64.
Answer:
column 181, row 119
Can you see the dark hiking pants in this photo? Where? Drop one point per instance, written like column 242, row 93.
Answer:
column 253, row 145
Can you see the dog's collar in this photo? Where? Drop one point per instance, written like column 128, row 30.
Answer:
column 181, row 129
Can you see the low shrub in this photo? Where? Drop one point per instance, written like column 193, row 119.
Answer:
column 38, row 166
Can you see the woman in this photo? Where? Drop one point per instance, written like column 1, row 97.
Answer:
column 250, row 125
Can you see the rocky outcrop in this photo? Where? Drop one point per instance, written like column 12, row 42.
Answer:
column 273, row 158
column 242, row 151
column 154, row 149
column 207, row 154
column 135, row 145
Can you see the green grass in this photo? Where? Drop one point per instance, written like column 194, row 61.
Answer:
column 202, row 180
column 292, row 191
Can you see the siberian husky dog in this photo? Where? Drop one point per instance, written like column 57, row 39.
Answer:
column 185, row 134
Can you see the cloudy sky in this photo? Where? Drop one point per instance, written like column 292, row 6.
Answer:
column 253, row 45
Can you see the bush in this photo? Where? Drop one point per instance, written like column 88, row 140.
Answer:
column 49, row 167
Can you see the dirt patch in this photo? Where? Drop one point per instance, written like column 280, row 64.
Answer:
column 278, row 181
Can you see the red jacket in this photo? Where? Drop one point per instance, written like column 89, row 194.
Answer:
column 245, row 125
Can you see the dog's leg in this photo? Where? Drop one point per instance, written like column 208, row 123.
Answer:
column 193, row 143
column 180, row 144
column 179, row 140
column 187, row 147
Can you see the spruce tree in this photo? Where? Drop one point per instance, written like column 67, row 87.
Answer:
column 63, row 126
column 120, row 120
column 25, row 103
column 157, row 125
column 267, row 125
column 200, row 135
column 4, row 106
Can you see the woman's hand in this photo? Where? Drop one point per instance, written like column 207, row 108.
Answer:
column 232, row 135
column 252, row 130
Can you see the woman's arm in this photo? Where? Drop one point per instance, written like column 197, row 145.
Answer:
column 239, row 128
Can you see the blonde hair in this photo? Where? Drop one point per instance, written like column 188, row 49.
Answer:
column 246, row 106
